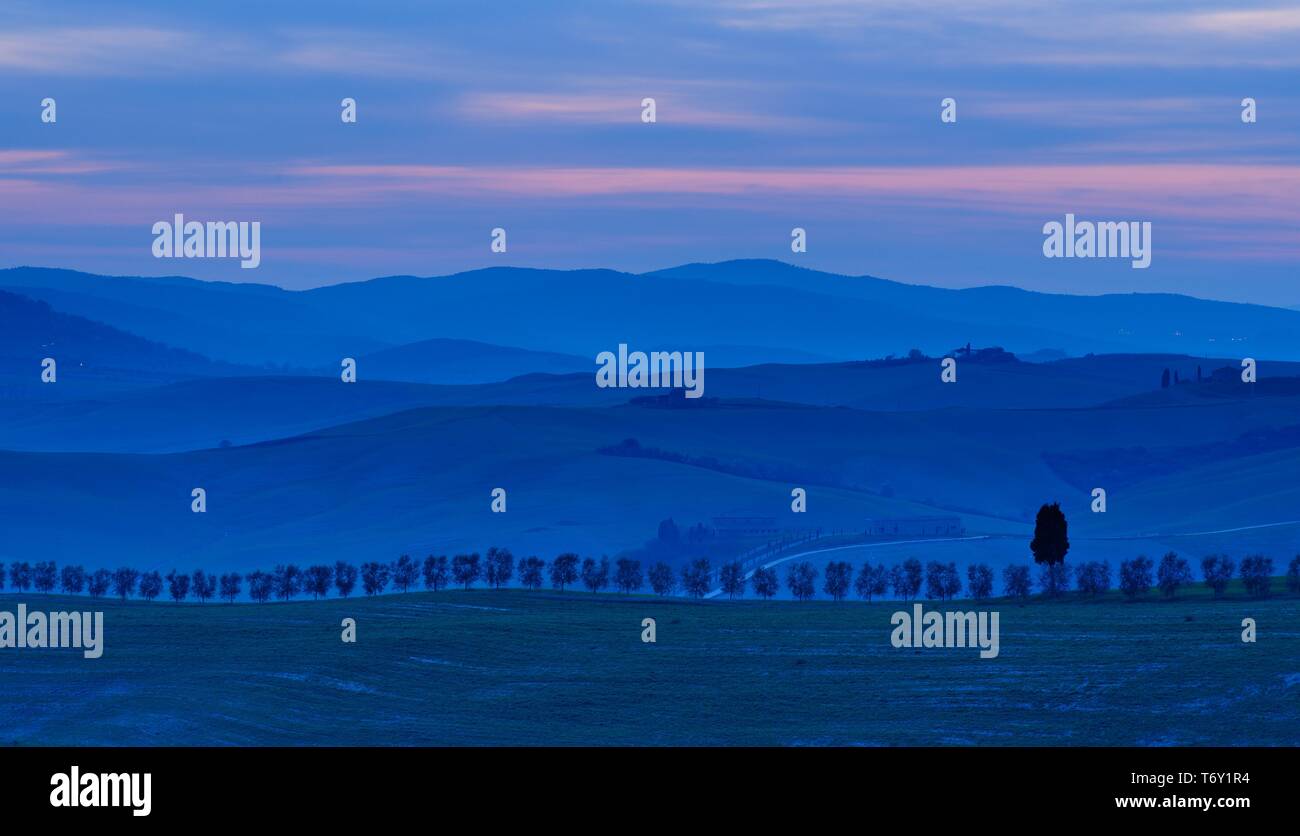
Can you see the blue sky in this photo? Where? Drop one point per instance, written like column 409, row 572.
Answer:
column 772, row 114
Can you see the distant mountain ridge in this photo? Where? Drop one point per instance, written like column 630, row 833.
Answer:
column 760, row 310
column 88, row 355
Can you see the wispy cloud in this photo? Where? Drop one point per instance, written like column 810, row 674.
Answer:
column 1095, row 110
column 1246, row 23
column 612, row 109
column 1191, row 190
column 1100, row 33
column 771, row 113
column 33, row 162
column 115, row 50
column 135, row 51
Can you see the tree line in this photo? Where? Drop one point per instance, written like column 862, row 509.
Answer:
column 498, row 568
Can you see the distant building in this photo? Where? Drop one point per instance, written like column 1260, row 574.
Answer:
column 915, row 527
column 745, row 526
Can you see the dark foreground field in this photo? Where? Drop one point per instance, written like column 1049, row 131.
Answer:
column 512, row 667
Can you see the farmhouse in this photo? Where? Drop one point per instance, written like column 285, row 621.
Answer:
column 736, row 527
column 915, row 527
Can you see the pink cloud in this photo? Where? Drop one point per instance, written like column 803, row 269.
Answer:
column 1245, row 22
column 1258, row 197
column 614, row 109
column 20, row 161
column 1228, row 192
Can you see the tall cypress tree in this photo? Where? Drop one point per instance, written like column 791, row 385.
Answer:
column 1051, row 540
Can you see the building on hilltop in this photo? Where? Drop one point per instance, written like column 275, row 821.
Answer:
column 915, row 527
column 746, row 526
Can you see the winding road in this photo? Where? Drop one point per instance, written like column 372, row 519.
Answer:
column 716, row 592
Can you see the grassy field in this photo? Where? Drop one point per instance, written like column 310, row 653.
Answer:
column 513, row 667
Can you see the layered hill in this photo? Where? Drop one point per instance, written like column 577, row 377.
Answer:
column 748, row 311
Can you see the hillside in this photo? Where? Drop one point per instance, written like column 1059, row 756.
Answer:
column 749, row 310
column 420, row 480
column 463, row 361
column 202, row 412
column 91, row 357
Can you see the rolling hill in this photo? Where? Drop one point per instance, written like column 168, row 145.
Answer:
column 300, row 467
column 419, row 480
column 463, row 361
column 748, row 311
column 91, row 357
column 203, row 412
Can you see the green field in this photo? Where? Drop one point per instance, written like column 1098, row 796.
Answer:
column 514, row 667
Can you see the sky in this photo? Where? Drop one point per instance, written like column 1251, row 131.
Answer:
column 771, row 114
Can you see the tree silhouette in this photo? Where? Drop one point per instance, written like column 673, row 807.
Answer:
column 259, row 586
column 731, row 577
column 801, row 578
column 1135, row 576
column 662, row 579
column 1217, row 570
column 934, row 580
column 595, row 575
column 230, row 585
column 374, row 576
column 531, row 571
column 287, row 580
column 45, row 576
column 765, row 582
column 20, row 576
column 73, row 579
column 499, row 568
column 838, row 578
column 1015, row 581
column 124, row 580
column 345, row 578
column 906, row 579
column 696, row 577
column 203, row 585
column 1257, row 574
column 98, row 583
column 1093, row 578
column 1293, row 574
column 150, row 585
column 178, row 585
column 1051, row 541
column 979, row 579
column 627, row 575
column 406, row 571
column 435, row 572
column 1173, row 573
column 564, row 570
column 465, row 569
column 872, row 580
column 317, row 579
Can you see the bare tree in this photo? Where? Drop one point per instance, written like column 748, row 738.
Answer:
column 731, row 577
column 765, row 583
